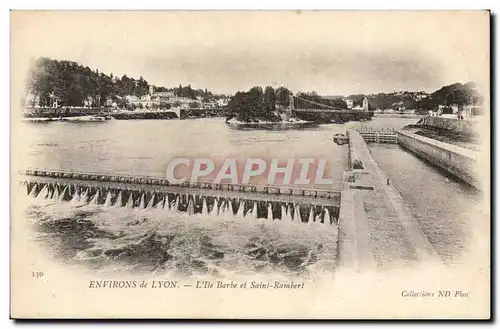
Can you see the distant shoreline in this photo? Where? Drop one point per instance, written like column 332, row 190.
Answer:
column 403, row 116
column 263, row 123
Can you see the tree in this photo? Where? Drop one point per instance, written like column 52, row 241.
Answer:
column 269, row 100
column 239, row 104
column 255, row 98
column 122, row 103
column 282, row 96
column 340, row 103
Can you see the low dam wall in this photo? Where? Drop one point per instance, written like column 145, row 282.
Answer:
column 263, row 202
column 63, row 112
column 464, row 127
column 156, row 115
column 376, row 228
column 456, row 160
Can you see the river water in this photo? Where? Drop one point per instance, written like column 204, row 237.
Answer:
column 148, row 240
column 145, row 147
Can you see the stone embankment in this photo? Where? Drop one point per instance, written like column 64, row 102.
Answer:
column 456, row 160
column 462, row 127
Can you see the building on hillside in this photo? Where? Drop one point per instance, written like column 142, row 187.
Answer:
column 88, row 102
column 209, row 105
column 357, row 107
column 399, row 106
column 420, row 95
column 222, row 102
column 181, row 100
column 162, row 97
column 132, row 99
column 108, row 102
column 453, row 108
column 349, row 102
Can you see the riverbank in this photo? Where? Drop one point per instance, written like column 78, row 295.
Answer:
column 256, row 123
column 468, row 142
column 86, row 118
column 144, row 115
column 463, row 133
column 402, row 116
column 466, row 128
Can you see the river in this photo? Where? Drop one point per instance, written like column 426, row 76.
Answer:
column 117, row 239
column 154, row 242
column 145, row 147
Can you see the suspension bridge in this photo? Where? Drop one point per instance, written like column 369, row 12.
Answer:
column 314, row 111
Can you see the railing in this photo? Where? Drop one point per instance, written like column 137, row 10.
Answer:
column 266, row 189
column 378, row 135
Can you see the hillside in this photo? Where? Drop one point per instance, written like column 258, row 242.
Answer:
column 72, row 84
column 454, row 94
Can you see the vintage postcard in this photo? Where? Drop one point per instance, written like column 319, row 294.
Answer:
column 250, row 164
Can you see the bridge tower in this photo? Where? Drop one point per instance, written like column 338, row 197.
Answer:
column 365, row 104
column 291, row 107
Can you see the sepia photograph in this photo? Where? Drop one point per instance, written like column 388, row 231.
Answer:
column 250, row 164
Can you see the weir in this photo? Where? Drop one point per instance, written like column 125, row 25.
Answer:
column 300, row 206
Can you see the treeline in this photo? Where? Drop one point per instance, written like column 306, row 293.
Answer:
column 188, row 92
column 72, row 84
column 259, row 103
column 455, row 94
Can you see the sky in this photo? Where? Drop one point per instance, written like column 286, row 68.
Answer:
column 332, row 53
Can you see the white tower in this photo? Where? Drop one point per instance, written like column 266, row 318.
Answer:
column 365, row 104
